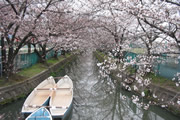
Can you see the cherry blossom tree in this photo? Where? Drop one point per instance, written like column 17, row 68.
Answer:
column 116, row 24
column 153, row 28
column 18, row 20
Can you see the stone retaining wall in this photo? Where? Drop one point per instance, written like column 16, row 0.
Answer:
column 23, row 88
column 165, row 94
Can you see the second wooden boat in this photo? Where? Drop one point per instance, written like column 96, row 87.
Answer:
column 61, row 99
column 39, row 96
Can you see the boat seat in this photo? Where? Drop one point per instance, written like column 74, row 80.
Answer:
column 68, row 88
column 32, row 106
column 62, row 100
column 59, row 107
column 44, row 89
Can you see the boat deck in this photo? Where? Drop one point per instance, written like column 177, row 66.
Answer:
column 40, row 97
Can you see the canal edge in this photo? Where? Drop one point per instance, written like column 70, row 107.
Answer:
column 11, row 93
column 161, row 92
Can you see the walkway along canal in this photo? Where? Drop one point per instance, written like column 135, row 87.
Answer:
column 95, row 98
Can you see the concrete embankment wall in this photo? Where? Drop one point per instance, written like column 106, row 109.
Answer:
column 15, row 91
column 164, row 95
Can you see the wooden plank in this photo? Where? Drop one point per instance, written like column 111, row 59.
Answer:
column 39, row 106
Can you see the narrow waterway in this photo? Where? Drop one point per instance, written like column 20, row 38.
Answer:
column 95, row 98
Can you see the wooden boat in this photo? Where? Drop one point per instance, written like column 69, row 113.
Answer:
column 62, row 97
column 40, row 114
column 39, row 96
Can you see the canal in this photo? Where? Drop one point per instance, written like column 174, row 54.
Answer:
column 95, row 98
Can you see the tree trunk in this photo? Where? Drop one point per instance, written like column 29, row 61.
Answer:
column 3, row 51
column 40, row 54
column 120, row 54
column 43, row 60
column 9, row 67
column 56, row 54
column 29, row 48
column 7, row 63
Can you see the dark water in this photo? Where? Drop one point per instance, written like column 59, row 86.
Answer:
column 96, row 98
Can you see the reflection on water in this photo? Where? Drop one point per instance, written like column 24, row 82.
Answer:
column 96, row 98
column 101, row 99
column 11, row 111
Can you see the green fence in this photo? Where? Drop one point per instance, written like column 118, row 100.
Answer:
column 129, row 56
column 28, row 59
column 165, row 66
column 50, row 54
column 168, row 68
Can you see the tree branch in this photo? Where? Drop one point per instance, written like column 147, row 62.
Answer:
column 174, row 3
column 12, row 6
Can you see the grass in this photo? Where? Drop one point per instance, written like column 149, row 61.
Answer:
column 157, row 79
column 163, row 82
column 138, row 50
column 60, row 58
column 103, row 55
column 100, row 56
column 130, row 69
column 68, row 54
column 39, row 67
column 54, row 60
column 12, row 80
column 31, row 71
